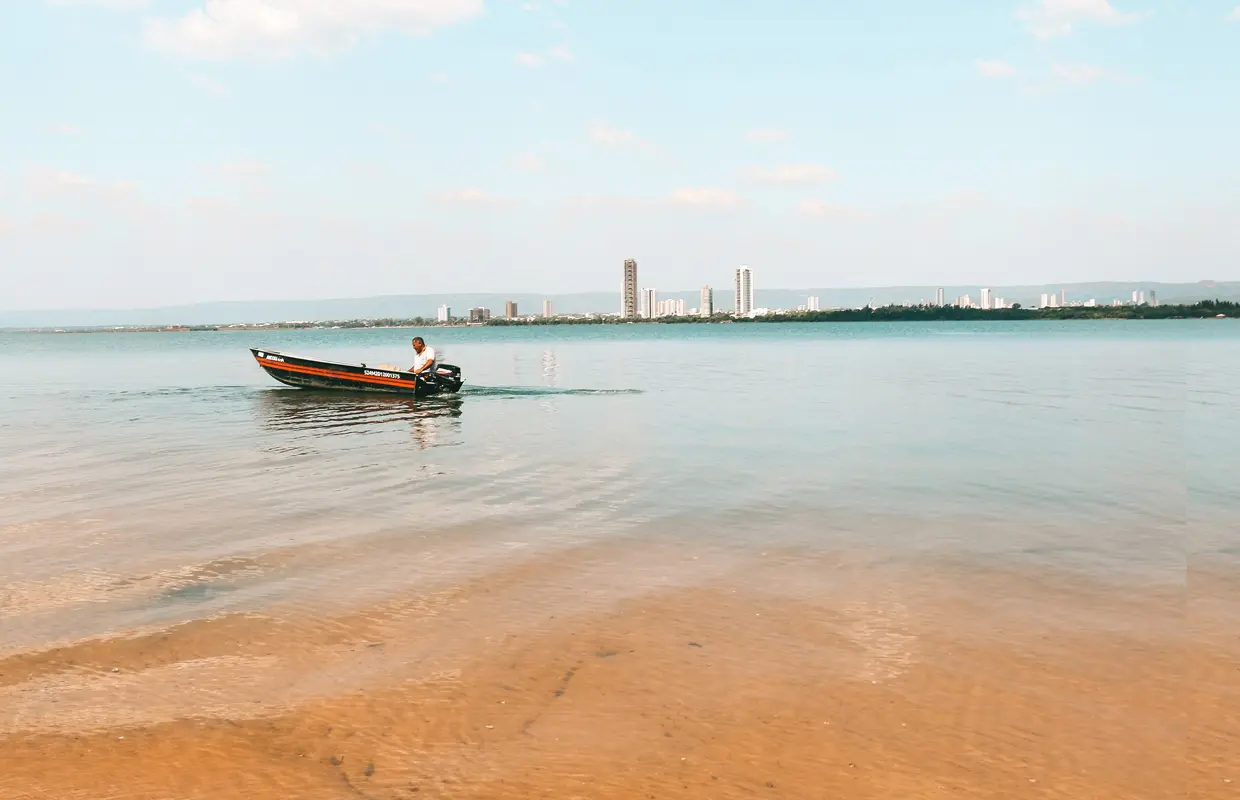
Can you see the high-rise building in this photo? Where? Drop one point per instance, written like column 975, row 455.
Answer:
column 1063, row 297
column 650, row 300
column 1044, row 301
column 547, row 309
column 1054, row 301
column 707, row 307
column 479, row 316
column 444, row 314
column 628, row 296
column 986, row 302
column 964, row 301
column 812, row 304
column 938, row 297
column 999, row 303
column 1153, row 298
column 510, row 309
column 744, row 291
column 1138, row 297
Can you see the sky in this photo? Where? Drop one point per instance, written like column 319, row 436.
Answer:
column 157, row 152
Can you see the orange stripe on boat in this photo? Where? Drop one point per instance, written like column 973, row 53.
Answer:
column 330, row 373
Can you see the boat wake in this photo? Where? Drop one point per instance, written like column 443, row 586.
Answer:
column 538, row 391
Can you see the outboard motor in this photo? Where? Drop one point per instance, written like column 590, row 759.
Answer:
column 446, row 377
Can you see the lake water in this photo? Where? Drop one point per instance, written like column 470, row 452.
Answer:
column 866, row 560
column 1100, row 447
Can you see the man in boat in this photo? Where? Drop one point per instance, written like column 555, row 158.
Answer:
column 423, row 356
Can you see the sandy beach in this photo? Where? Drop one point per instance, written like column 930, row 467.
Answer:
column 543, row 679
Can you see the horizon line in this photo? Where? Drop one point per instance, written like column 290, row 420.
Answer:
column 191, row 303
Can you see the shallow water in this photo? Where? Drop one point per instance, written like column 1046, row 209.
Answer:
column 141, row 460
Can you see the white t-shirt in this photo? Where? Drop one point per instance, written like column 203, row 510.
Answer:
column 420, row 360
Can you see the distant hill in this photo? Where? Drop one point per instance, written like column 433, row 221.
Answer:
column 407, row 306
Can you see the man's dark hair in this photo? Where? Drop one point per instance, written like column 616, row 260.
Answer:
column 418, row 340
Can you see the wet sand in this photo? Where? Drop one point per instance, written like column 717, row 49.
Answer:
column 557, row 677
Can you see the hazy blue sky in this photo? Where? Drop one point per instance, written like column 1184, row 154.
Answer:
column 165, row 151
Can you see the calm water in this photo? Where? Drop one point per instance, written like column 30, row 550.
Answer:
column 152, row 478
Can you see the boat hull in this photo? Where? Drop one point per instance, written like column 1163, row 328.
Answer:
column 308, row 373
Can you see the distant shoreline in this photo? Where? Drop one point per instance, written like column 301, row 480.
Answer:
column 1206, row 309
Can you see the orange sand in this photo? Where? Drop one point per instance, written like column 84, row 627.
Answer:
column 531, row 682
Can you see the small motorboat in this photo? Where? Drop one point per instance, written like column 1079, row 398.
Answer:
column 310, row 373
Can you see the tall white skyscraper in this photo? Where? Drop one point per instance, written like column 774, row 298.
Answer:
column 986, row 302
column 649, row 303
column 938, row 297
column 628, row 296
column 1044, row 301
column 547, row 309
column 707, row 306
column 1138, row 297
column 812, row 304
column 744, row 291
column 444, row 314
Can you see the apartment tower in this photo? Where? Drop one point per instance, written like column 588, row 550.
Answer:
column 744, row 291
column 628, row 298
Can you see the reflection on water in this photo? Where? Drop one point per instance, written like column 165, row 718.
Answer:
column 549, row 367
column 330, row 413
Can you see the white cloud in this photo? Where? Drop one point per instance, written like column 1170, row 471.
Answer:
column 474, row 197
column 609, row 136
column 57, row 180
column 244, row 169
column 387, row 131
column 766, row 135
column 441, row 78
column 529, row 7
column 528, row 162
column 59, row 183
column 790, row 174
column 114, row 4
column 1075, row 74
column 1234, row 15
column 705, row 198
column 1051, row 18
column 283, row 28
column 211, row 87
column 64, row 129
column 994, row 69
column 822, row 210
column 558, row 53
